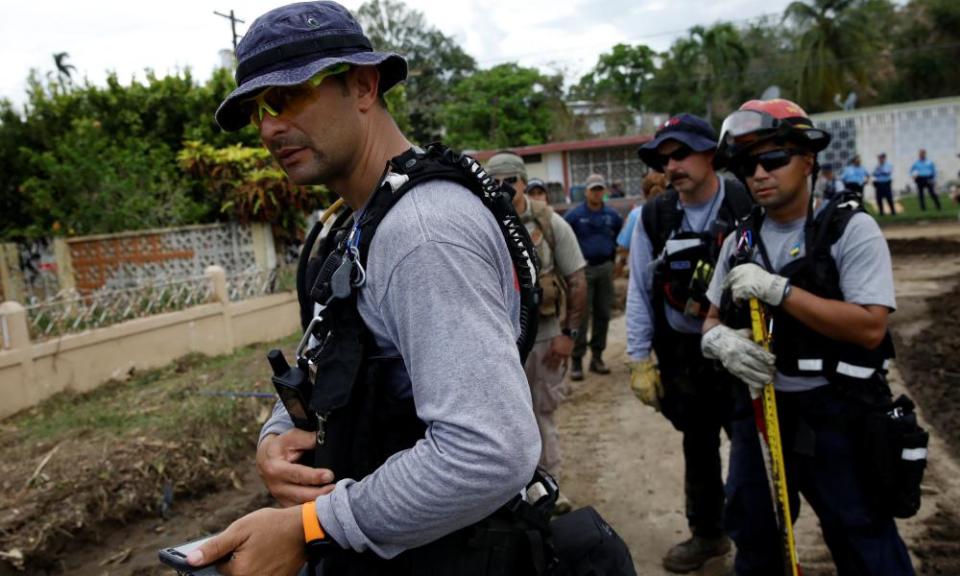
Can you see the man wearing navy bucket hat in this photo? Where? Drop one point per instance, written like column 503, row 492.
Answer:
column 418, row 423
column 674, row 254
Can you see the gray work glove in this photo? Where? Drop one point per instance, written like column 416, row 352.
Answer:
column 740, row 355
column 751, row 281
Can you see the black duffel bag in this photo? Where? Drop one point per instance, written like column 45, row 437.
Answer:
column 587, row 546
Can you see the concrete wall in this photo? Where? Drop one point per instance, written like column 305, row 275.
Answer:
column 30, row 373
column 899, row 130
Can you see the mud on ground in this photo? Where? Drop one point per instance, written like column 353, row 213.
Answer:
column 928, row 358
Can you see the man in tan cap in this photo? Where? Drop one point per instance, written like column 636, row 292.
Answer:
column 596, row 226
column 564, row 302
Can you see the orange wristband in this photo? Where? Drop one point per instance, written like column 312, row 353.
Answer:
column 311, row 524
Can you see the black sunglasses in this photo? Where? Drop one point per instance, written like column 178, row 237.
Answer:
column 511, row 180
column 746, row 166
column 679, row 154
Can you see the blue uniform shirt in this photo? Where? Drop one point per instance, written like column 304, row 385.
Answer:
column 596, row 232
column 855, row 175
column 623, row 239
column 923, row 169
column 883, row 172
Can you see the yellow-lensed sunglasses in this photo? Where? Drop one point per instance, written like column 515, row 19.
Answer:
column 275, row 99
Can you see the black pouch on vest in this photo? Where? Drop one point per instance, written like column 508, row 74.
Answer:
column 588, row 546
column 895, row 451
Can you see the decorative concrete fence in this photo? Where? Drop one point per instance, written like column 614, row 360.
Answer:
column 208, row 316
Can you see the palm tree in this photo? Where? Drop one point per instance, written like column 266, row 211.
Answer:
column 716, row 57
column 64, row 70
column 835, row 38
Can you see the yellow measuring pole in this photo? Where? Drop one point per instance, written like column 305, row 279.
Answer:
column 776, row 469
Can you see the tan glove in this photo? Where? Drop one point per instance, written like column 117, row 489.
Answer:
column 645, row 382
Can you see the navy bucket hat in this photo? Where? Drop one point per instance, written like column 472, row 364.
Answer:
column 291, row 44
column 691, row 131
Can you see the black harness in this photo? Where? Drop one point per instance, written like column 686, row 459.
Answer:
column 682, row 277
column 801, row 351
column 351, row 385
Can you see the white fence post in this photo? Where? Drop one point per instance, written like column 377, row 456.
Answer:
column 218, row 281
column 14, row 329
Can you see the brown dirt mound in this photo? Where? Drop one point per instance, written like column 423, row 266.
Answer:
column 926, row 246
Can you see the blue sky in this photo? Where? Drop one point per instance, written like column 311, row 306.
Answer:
column 132, row 35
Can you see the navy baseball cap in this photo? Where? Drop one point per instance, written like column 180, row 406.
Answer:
column 691, row 131
column 291, row 44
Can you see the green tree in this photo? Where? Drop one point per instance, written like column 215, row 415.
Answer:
column 436, row 62
column 621, row 76
column 90, row 182
column 838, row 42
column 715, row 57
column 927, row 49
column 64, row 71
column 507, row 105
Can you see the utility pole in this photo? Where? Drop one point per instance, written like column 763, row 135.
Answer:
column 233, row 26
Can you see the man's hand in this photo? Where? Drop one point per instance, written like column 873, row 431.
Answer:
column 645, row 382
column 290, row 483
column 560, row 349
column 268, row 541
column 751, row 281
column 740, row 355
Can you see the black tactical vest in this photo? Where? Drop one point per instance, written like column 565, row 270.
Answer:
column 801, row 351
column 681, row 278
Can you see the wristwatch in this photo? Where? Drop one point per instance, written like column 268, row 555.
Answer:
column 571, row 333
column 316, row 541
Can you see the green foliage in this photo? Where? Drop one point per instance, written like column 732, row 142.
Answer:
column 834, row 38
column 435, row 60
column 91, row 182
column 86, row 159
column 620, row 76
column 928, row 38
column 507, row 105
column 248, row 187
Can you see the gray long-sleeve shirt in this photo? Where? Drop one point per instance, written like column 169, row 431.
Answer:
column 640, row 313
column 440, row 291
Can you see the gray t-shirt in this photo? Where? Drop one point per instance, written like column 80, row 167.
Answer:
column 440, row 291
column 862, row 258
column 565, row 256
column 640, row 313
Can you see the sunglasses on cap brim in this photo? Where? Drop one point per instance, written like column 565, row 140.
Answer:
column 745, row 166
column 511, row 180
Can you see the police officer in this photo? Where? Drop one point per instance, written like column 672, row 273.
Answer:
column 855, row 176
column 451, row 435
column 827, row 282
column 672, row 257
column 883, row 183
column 564, row 301
column 924, row 174
column 596, row 226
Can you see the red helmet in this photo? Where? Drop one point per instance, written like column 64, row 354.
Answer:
column 761, row 120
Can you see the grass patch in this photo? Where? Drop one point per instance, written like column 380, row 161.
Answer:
column 911, row 210
column 77, row 462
